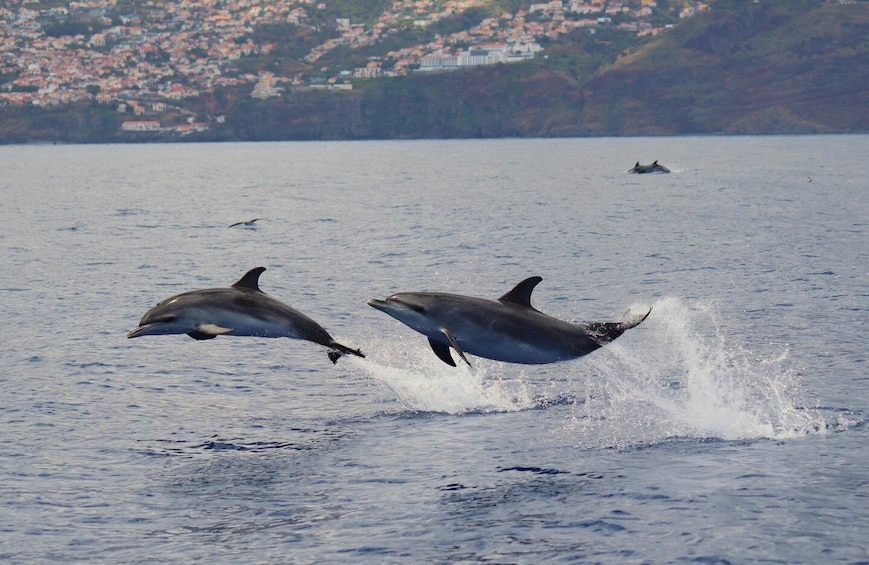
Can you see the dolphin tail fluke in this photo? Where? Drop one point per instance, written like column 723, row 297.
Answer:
column 630, row 320
column 339, row 350
column 605, row 332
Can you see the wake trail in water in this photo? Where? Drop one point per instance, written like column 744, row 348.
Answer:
column 677, row 375
column 423, row 383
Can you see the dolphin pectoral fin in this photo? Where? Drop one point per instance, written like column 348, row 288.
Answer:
column 208, row 331
column 442, row 350
column 199, row 336
column 455, row 344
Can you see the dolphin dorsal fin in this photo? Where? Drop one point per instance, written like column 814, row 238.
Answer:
column 521, row 293
column 250, row 279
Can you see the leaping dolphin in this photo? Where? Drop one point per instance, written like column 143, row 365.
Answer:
column 242, row 309
column 653, row 168
column 509, row 329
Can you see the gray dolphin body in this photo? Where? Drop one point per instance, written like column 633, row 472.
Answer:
column 240, row 310
column 509, row 329
column 653, row 168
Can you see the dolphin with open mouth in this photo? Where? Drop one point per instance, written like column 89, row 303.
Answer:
column 508, row 329
column 240, row 310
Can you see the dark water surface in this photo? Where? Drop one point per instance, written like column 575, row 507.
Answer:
column 730, row 426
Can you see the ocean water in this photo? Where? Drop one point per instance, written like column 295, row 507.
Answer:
column 731, row 426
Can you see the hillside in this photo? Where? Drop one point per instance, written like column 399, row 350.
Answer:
column 741, row 68
column 774, row 66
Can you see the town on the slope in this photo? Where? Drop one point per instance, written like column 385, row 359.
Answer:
column 149, row 59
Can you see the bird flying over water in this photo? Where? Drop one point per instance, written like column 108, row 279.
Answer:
column 248, row 223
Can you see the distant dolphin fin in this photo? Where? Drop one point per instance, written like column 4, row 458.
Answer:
column 250, row 279
column 455, row 344
column 208, row 331
column 442, row 350
column 521, row 293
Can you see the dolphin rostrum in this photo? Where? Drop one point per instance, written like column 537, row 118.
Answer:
column 242, row 309
column 509, row 329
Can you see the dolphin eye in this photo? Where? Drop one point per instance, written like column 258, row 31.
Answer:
column 417, row 308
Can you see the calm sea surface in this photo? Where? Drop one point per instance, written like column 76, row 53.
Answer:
column 731, row 426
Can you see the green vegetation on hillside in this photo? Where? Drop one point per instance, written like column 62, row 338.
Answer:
column 772, row 67
column 85, row 123
column 290, row 43
column 777, row 66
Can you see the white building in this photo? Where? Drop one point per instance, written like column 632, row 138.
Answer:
column 265, row 87
column 438, row 62
column 140, row 125
column 483, row 55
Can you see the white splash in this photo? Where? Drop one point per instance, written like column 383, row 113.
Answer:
column 422, row 382
column 681, row 376
column 677, row 375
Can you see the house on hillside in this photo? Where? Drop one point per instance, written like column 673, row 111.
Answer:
column 140, row 125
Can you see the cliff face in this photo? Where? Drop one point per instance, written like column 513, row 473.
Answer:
column 772, row 67
column 499, row 101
